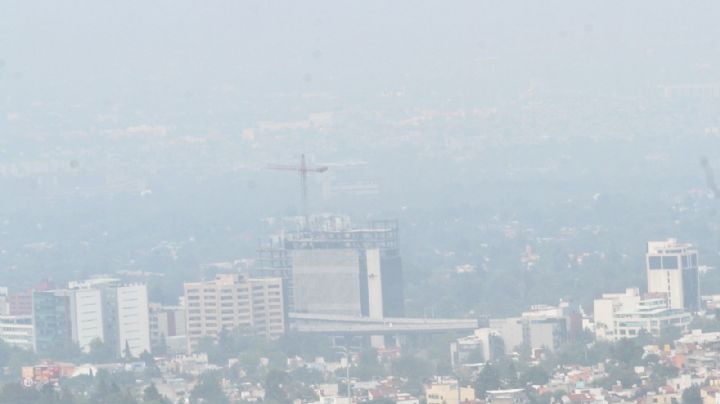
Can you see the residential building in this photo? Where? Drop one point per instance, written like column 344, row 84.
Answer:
column 112, row 312
column 448, row 391
column 698, row 337
column 672, row 269
column 17, row 331
column 132, row 319
column 95, row 309
column 232, row 301
column 542, row 327
column 620, row 316
column 166, row 323
column 547, row 327
column 86, row 316
column 475, row 348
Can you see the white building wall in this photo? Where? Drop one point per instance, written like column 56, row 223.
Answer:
column 326, row 281
column 87, row 314
column 510, row 330
column 668, row 263
column 374, row 274
column 669, row 282
column 133, row 319
column 604, row 310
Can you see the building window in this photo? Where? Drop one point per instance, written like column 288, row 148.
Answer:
column 670, row 262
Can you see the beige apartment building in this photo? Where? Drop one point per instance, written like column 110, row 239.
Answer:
column 232, row 301
column 447, row 391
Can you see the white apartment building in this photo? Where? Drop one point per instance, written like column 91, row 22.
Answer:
column 604, row 310
column 672, row 269
column 87, row 317
column 624, row 315
column 106, row 310
column 231, row 301
column 133, row 319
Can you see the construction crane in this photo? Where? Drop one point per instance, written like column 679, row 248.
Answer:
column 303, row 169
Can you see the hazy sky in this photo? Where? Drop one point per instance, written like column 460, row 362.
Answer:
column 160, row 49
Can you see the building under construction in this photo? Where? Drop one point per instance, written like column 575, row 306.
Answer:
column 329, row 266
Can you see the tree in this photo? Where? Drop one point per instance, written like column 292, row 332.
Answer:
column 100, row 352
column 127, row 352
column 208, row 390
column 413, row 368
column 628, row 352
column 488, row 379
column 497, row 347
column 691, row 395
column 276, row 384
column 161, row 348
column 14, row 393
column 66, row 396
column 535, row 375
column 307, row 375
column 110, row 393
column 623, row 374
column 48, row 395
column 148, row 359
column 151, row 395
column 65, row 351
column 368, row 366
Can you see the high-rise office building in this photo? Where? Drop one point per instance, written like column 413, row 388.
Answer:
column 133, row 319
column 232, row 301
column 95, row 309
column 672, row 269
column 337, row 268
column 86, row 316
column 52, row 320
column 92, row 310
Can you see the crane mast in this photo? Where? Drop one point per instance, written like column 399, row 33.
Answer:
column 302, row 169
